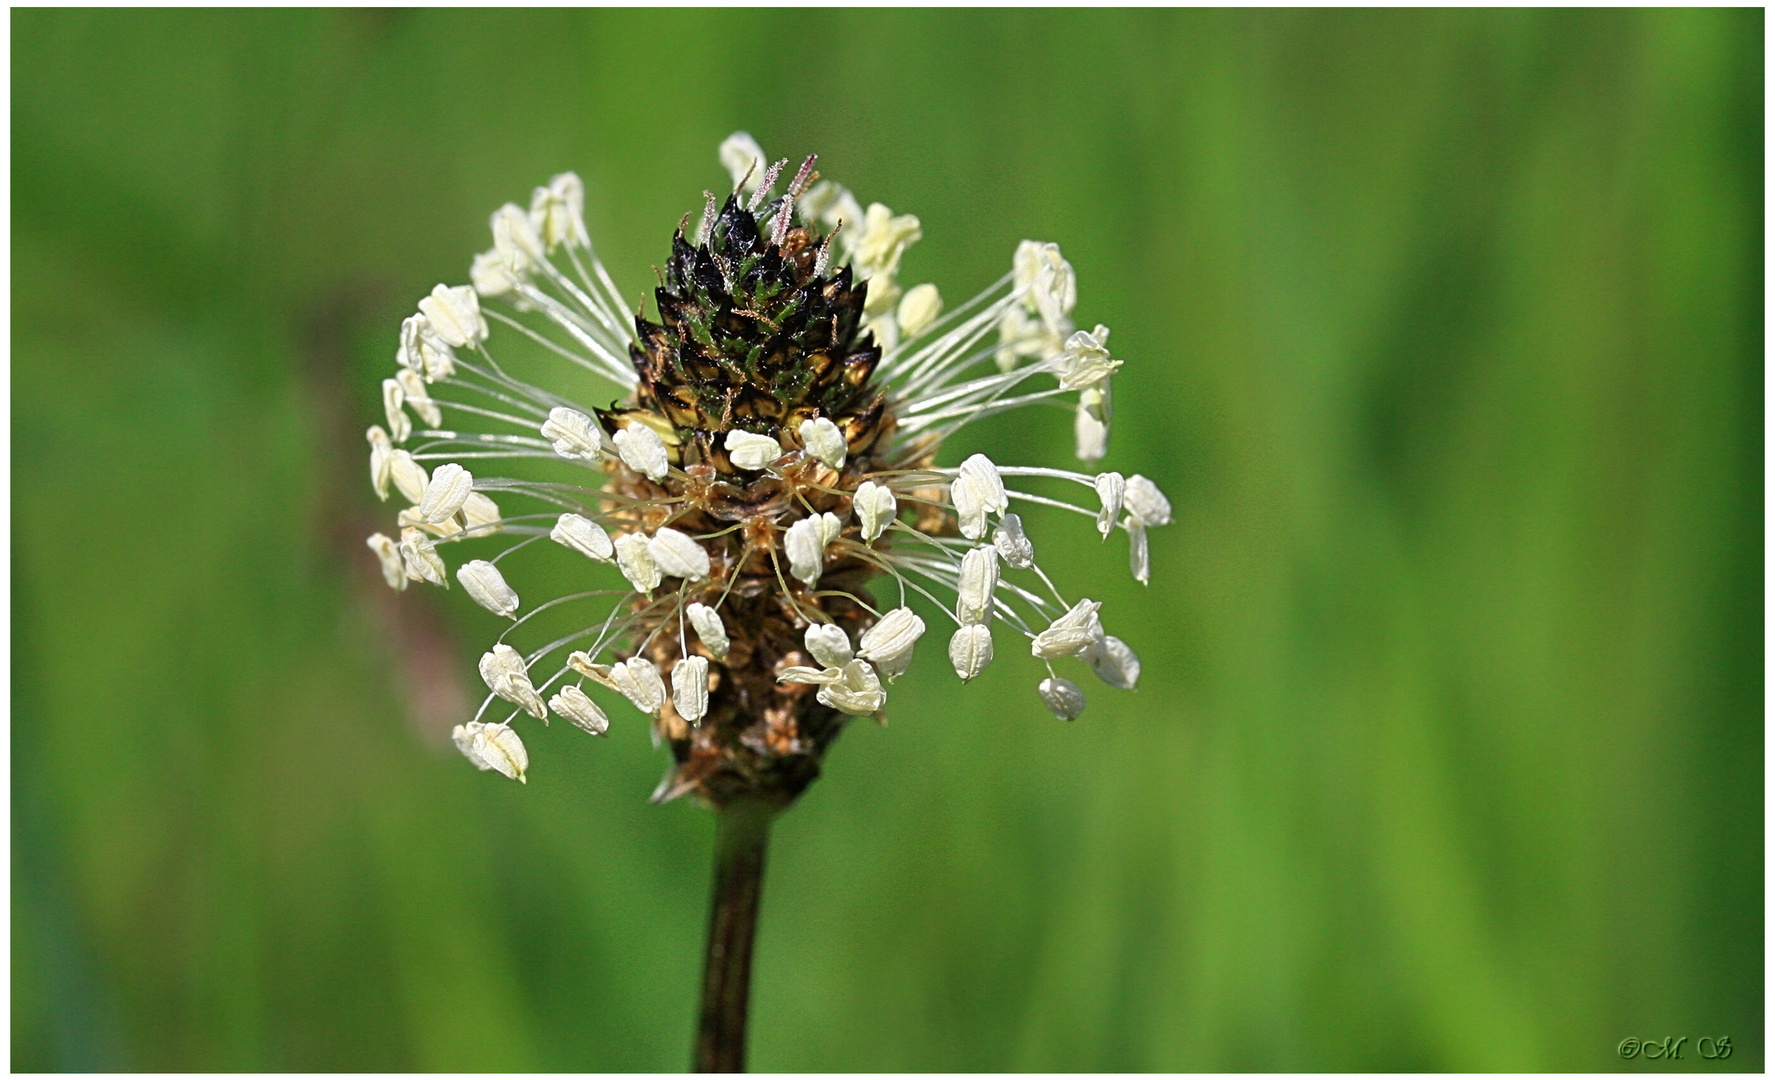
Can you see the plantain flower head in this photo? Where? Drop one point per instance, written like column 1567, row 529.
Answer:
column 765, row 488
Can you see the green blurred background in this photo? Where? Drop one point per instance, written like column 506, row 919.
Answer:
column 1443, row 332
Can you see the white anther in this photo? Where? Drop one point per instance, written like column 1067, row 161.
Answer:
column 984, row 474
column 634, row 558
column 889, row 643
column 408, row 354
column 876, row 508
column 706, row 621
column 970, row 512
column 639, row 681
column 976, row 583
column 420, row 558
column 749, row 451
column 392, row 398
column 810, row 676
column 805, row 544
column 828, row 644
column 481, row 513
column 976, row 491
column 486, row 587
column 446, row 492
column 1013, row 543
column 490, row 275
column 1110, row 489
column 504, row 673
column 410, row 519
column 1062, row 697
column 1090, row 435
column 580, row 709
column 494, row 747
column 744, row 160
column 381, row 457
column 557, row 212
column 1147, row 503
column 394, row 570
column 857, row 692
column 884, row 239
column 640, row 448
column 408, row 475
column 1086, row 362
column 418, row 399
column 1075, row 633
column 1047, row 283
column 423, row 352
column 581, row 661
column 1027, row 263
column 919, row 308
column 970, row 650
column 677, row 555
column 1020, row 335
column 584, row 536
column 455, row 315
column 690, row 688
column 515, row 239
column 1115, row 663
column 1139, row 562
column 823, row 441
column 574, row 434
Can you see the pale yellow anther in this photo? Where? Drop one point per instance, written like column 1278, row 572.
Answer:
column 454, row 315
column 640, row 448
column 418, row 398
column 976, row 583
column 823, row 441
column 584, row 536
column 828, row 645
column 394, row 570
column 486, row 587
column 748, row 450
column 381, row 458
column 504, row 672
column 1062, row 697
column 580, row 710
column 677, row 555
column 575, row 435
column 635, row 559
column 706, row 621
column 857, row 691
column 399, row 427
column 420, row 559
column 889, row 643
column 690, row 688
column 1075, row 633
column 557, row 212
column 876, row 507
column 445, row 493
column 919, row 308
column 970, row 650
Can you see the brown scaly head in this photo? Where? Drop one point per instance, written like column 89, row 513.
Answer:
column 754, row 335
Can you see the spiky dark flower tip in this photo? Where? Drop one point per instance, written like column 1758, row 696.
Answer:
column 754, row 334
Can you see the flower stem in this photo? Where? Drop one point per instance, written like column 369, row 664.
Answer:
column 741, row 831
